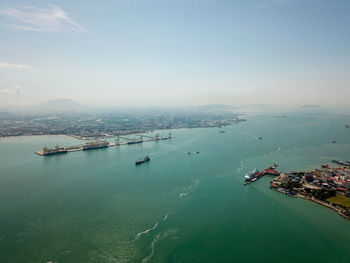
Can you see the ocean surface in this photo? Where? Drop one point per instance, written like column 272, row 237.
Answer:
column 97, row 206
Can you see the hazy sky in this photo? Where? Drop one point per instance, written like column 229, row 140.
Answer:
column 121, row 52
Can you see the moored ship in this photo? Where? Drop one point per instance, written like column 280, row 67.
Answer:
column 146, row 159
column 135, row 142
column 95, row 145
column 49, row 151
column 251, row 175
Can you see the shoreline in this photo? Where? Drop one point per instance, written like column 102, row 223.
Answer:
column 115, row 136
column 308, row 185
column 325, row 204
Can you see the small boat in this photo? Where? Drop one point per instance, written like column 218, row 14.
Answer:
column 334, row 141
column 146, row 159
column 260, row 138
column 222, row 131
column 347, row 126
column 246, row 183
column 188, row 153
column 197, row 152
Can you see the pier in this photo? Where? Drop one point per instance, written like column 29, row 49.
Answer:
column 268, row 171
column 101, row 144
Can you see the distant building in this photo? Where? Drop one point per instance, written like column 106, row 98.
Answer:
column 318, row 173
column 309, row 177
column 346, row 185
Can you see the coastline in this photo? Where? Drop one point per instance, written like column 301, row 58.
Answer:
column 280, row 185
column 123, row 134
column 325, row 204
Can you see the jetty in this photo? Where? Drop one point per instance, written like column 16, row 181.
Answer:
column 343, row 163
column 268, row 171
column 97, row 144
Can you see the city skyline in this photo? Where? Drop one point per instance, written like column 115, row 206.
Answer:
column 175, row 52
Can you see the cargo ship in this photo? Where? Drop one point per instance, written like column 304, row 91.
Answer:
column 49, row 151
column 146, row 159
column 95, row 145
column 135, row 142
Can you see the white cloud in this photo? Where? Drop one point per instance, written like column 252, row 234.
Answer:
column 17, row 90
column 7, row 65
column 30, row 18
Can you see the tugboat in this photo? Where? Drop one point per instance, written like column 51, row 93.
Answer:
column 146, row 159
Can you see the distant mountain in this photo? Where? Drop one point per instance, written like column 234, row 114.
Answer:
column 211, row 108
column 59, row 105
column 310, row 106
column 5, row 115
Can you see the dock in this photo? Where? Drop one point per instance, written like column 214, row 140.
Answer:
column 268, row 171
column 101, row 144
column 343, row 163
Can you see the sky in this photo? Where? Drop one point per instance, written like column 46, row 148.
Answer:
column 178, row 52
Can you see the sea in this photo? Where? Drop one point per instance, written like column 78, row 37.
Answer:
column 182, row 206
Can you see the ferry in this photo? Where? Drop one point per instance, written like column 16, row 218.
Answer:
column 251, row 175
column 146, row 159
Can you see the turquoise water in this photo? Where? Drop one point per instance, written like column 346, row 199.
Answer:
column 97, row 206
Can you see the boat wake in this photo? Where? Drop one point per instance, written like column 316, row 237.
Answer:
column 248, row 134
column 240, row 168
column 138, row 235
column 183, row 194
column 146, row 259
column 146, row 231
column 196, row 183
column 156, row 239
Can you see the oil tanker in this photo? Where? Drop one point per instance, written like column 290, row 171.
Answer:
column 146, row 159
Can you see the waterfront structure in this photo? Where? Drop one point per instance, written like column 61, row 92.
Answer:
column 51, row 151
column 327, row 186
column 254, row 175
column 95, row 145
column 100, row 144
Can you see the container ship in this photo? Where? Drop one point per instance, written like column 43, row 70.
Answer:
column 146, row 159
column 95, row 145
